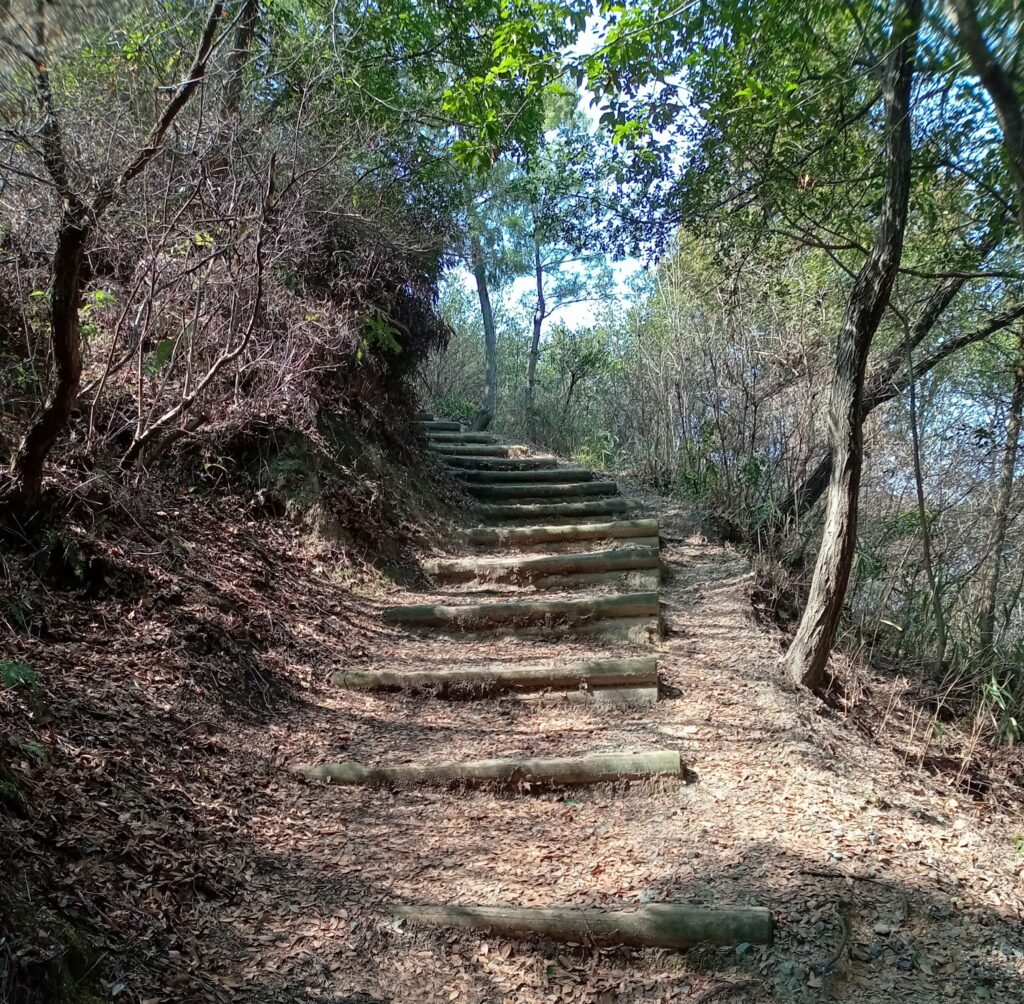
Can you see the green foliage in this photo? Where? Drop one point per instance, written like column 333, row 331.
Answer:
column 455, row 407
column 61, row 557
column 379, row 336
column 599, row 450
column 869, row 565
column 697, row 475
column 16, row 673
column 1005, row 694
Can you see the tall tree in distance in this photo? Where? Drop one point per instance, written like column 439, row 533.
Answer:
column 562, row 208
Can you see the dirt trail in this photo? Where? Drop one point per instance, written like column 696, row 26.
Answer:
column 882, row 885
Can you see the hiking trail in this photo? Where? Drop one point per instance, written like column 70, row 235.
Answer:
column 577, row 737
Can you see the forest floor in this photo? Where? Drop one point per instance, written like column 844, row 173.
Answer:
column 156, row 803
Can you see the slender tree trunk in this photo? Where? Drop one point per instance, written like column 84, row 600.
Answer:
column 237, row 60
column 78, row 220
column 1001, row 88
column 490, row 402
column 1001, row 516
column 808, row 656
column 539, row 313
column 926, row 534
column 72, row 237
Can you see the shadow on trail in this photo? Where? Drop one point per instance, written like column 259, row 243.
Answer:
column 837, row 934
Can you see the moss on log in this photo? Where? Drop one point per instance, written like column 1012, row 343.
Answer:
column 541, row 475
column 595, row 768
column 554, row 510
column 462, row 462
column 485, row 615
column 631, row 697
column 478, row 681
column 525, row 569
column 573, row 490
column 471, row 449
column 655, row 925
column 514, row 536
column 462, row 437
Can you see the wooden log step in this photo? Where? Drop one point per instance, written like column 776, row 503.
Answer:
column 462, row 437
column 554, row 510
column 654, row 925
column 470, row 449
column 519, row 569
column 595, row 768
column 426, row 416
column 608, row 697
column 639, row 580
column 517, row 536
column 464, row 462
column 481, row 616
column 432, row 425
column 483, row 681
column 560, row 475
column 628, row 630
column 614, row 697
column 575, row 490
column 578, row 546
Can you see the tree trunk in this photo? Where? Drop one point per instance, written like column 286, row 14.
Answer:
column 30, row 459
column 235, row 63
column 1000, row 516
column 77, row 222
column 926, row 534
column 237, row 60
column 490, row 402
column 539, row 313
column 808, row 655
column 1000, row 86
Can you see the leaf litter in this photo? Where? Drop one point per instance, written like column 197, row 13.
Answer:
column 159, row 812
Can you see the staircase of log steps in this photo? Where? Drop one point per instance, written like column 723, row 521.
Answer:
column 550, row 528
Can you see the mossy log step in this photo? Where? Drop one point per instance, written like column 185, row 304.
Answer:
column 542, row 475
column 480, row 681
column 571, row 490
column 554, row 510
column 620, row 697
column 578, row 546
column 595, row 768
column 470, row 449
column 654, row 925
column 516, row 536
column 462, row 437
column 627, row 630
column 623, row 559
column 481, row 616
column 433, row 425
column 463, row 462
